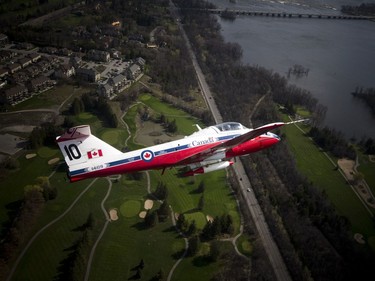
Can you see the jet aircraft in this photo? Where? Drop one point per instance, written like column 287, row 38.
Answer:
column 206, row 150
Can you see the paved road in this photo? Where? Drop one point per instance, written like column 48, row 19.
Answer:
column 269, row 244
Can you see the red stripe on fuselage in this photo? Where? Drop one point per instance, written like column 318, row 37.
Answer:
column 251, row 146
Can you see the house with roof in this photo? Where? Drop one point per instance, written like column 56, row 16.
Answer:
column 87, row 74
column 141, row 62
column 106, row 90
column 134, row 71
column 14, row 67
column 35, row 57
column 118, row 82
column 98, row 55
column 15, row 94
column 25, row 61
column 39, row 84
column 65, row 71
column 3, row 72
column 3, row 39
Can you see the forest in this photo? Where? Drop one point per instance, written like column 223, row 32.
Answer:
column 365, row 9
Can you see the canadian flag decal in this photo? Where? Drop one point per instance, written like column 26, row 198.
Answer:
column 94, row 153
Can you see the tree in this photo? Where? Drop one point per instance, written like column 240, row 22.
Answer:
column 151, row 219
column 49, row 192
column 90, row 222
column 192, row 229
column 163, row 211
column 201, row 187
column 194, row 244
column 172, row 126
column 141, row 264
column 182, row 223
column 77, row 106
column 201, row 203
column 214, row 251
column 161, row 191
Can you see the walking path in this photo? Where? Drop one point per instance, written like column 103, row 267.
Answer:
column 108, row 220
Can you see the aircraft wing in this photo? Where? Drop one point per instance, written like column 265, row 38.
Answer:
column 226, row 145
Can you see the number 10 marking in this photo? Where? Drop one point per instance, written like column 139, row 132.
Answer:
column 72, row 151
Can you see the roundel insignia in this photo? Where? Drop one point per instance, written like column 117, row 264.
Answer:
column 147, row 155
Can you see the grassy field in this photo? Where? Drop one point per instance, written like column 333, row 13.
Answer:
column 50, row 99
column 126, row 241
column 315, row 165
column 184, row 122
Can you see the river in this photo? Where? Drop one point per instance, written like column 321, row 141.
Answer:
column 339, row 54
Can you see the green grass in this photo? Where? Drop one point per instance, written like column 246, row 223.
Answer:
column 49, row 99
column 130, row 208
column 184, row 122
column 244, row 245
column 313, row 163
column 196, row 268
column 52, row 246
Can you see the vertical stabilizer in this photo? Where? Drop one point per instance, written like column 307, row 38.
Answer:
column 81, row 149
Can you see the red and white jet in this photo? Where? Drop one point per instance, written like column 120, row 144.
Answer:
column 204, row 151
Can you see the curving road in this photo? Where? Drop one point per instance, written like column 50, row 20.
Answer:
column 269, row 244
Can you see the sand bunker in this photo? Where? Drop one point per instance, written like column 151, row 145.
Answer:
column 113, row 214
column 53, row 161
column 347, row 166
column 148, row 204
column 359, row 238
column 142, row 214
column 31, row 155
column 209, row 218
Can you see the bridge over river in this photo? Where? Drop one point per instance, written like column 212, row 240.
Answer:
column 230, row 12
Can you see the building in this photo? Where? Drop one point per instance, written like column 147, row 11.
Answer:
column 105, row 90
column 118, row 83
column 97, row 55
column 134, row 71
column 39, row 84
column 87, row 74
column 65, row 71
column 3, row 39
column 15, row 94
column 14, row 67
column 35, row 57
column 24, row 62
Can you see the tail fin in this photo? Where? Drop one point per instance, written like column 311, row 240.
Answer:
column 81, row 148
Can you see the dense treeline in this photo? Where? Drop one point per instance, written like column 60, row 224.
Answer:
column 365, row 9
column 313, row 239
column 368, row 96
column 45, row 135
column 17, row 12
column 91, row 103
column 333, row 141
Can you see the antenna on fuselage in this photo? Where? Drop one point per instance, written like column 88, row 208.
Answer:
column 198, row 127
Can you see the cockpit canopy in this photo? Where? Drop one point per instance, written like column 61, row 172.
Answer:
column 230, row 126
